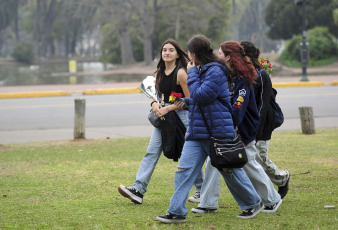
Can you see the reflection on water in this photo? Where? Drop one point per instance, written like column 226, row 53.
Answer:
column 57, row 73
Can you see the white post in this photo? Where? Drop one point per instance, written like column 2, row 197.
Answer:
column 80, row 119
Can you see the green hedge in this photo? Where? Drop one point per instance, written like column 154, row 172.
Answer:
column 323, row 49
column 23, row 52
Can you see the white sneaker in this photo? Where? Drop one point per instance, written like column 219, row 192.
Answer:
column 203, row 210
column 195, row 198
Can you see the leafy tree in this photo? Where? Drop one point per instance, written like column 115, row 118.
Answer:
column 110, row 47
column 253, row 26
column 321, row 47
column 284, row 18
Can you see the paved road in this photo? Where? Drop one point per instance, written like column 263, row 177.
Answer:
column 125, row 115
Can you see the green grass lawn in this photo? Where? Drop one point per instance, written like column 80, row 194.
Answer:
column 73, row 185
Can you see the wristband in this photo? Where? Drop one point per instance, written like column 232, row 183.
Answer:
column 151, row 104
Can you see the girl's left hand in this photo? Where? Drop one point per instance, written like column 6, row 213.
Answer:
column 180, row 103
column 190, row 64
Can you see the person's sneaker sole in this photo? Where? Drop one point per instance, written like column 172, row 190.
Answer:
column 197, row 210
column 170, row 221
column 252, row 216
column 275, row 209
column 125, row 192
column 194, row 200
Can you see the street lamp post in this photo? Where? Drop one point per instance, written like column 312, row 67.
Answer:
column 304, row 52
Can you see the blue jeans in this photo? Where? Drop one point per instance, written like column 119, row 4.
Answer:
column 193, row 156
column 154, row 151
column 257, row 175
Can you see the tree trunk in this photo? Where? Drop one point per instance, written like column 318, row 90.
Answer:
column 66, row 42
column 127, row 56
column 234, row 28
column 147, row 49
column 16, row 23
column 147, row 34
column 177, row 24
column 48, row 21
column 307, row 121
column 37, row 27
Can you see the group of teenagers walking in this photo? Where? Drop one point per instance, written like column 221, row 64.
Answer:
column 232, row 79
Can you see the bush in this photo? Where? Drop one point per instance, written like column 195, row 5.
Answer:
column 321, row 46
column 23, row 52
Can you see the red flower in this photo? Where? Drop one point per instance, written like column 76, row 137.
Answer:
column 266, row 64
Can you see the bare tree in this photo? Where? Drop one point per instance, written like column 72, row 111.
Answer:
column 44, row 18
column 147, row 12
column 118, row 14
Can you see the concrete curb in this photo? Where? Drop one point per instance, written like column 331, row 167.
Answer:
column 298, row 84
column 34, row 94
column 112, row 91
column 137, row 90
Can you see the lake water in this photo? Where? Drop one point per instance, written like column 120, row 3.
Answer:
column 58, row 73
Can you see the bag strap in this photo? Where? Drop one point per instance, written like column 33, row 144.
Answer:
column 205, row 120
column 259, row 72
column 174, row 82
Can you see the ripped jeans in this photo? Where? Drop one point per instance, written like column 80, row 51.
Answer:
column 193, row 157
column 150, row 159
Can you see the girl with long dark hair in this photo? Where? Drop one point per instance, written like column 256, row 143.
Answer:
column 172, row 65
column 208, row 86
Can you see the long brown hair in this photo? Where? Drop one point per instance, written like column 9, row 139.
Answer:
column 200, row 46
column 240, row 63
column 181, row 62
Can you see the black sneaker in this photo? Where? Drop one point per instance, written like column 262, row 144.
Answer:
column 251, row 212
column 171, row 218
column 203, row 210
column 272, row 208
column 131, row 193
column 283, row 190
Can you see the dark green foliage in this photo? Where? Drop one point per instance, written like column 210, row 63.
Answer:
column 23, row 52
column 284, row 18
column 321, row 46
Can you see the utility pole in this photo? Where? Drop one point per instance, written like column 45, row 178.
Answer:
column 304, row 52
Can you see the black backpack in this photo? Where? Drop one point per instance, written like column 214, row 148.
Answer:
column 277, row 111
column 278, row 116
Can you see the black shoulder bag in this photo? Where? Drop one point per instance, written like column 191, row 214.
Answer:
column 226, row 154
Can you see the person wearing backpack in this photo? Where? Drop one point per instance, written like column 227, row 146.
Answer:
column 265, row 99
column 242, row 75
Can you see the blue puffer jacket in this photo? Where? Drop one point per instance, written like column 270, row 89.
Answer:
column 209, row 89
